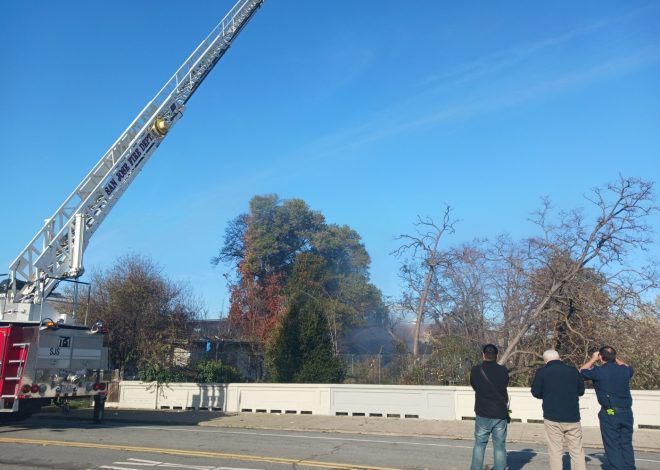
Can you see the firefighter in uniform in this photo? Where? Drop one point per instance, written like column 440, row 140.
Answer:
column 612, row 384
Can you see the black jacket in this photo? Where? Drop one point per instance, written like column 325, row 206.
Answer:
column 559, row 385
column 490, row 400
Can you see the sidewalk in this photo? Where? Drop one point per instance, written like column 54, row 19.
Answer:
column 643, row 439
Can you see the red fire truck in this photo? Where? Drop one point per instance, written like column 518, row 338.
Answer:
column 48, row 353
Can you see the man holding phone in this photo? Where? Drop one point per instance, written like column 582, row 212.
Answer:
column 612, row 384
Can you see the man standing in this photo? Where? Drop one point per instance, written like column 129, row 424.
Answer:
column 560, row 386
column 612, row 383
column 489, row 381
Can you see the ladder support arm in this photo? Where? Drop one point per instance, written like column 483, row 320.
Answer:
column 56, row 250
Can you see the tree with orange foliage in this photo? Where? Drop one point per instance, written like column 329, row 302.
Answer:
column 262, row 247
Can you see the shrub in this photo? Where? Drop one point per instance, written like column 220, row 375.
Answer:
column 201, row 372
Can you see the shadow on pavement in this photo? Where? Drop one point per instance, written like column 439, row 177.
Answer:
column 113, row 418
column 517, row 459
column 597, row 457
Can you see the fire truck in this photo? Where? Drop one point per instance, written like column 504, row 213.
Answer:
column 48, row 352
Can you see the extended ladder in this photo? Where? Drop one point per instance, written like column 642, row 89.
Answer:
column 56, row 250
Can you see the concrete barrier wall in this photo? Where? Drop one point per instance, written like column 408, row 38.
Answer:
column 393, row 401
column 279, row 398
column 138, row 395
column 192, row 396
column 526, row 408
column 180, row 396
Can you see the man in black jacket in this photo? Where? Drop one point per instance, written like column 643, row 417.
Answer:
column 489, row 381
column 560, row 386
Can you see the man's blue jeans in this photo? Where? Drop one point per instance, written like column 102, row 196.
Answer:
column 483, row 428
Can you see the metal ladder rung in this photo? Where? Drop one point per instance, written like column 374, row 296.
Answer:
column 8, row 396
column 20, row 345
column 12, row 378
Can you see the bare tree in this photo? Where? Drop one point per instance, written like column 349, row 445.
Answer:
column 463, row 295
column 148, row 314
column 424, row 248
column 604, row 246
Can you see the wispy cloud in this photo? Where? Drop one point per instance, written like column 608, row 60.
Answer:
column 496, row 62
column 423, row 109
column 483, row 102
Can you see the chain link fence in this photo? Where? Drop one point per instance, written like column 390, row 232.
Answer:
column 405, row 369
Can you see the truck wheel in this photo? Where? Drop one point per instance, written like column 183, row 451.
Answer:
column 99, row 408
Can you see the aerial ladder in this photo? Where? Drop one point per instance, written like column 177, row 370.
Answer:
column 46, row 354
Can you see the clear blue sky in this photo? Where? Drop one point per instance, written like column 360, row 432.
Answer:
column 371, row 111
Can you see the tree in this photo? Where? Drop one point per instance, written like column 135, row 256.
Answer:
column 424, row 248
column 604, row 246
column 301, row 350
column 462, row 297
column 263, row 245
column 635, row 338
column 574, row 288
column 147, row 314
column 572, row 320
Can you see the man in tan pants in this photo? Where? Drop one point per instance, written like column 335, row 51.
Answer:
column 560, row 386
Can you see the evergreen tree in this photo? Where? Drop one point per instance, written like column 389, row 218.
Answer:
column 283, row 354
column 301, row 349
column 319, row 365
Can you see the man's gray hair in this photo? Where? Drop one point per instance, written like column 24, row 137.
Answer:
column 550, row 355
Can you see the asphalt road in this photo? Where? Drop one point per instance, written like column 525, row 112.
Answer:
column 61, row 444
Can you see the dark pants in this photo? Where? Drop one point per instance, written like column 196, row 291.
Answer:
column 617, row 434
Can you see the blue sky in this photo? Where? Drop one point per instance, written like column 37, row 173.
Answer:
column 372, row 112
